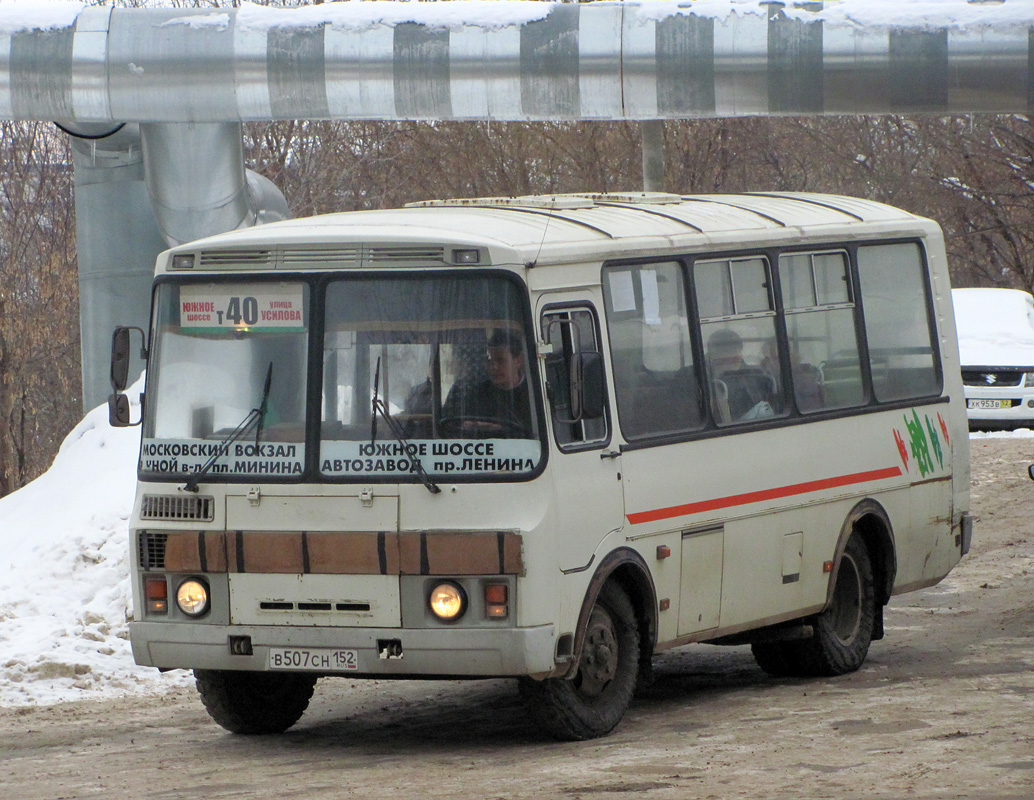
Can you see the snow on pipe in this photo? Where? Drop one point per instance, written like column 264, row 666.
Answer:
column 516, row 60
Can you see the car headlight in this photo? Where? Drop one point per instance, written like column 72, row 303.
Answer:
column 1028, row 379
column 448, row 601
column 192, row 597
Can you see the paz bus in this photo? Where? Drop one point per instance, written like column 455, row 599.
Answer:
column 543, row 438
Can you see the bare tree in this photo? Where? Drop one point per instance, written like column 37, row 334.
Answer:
column 39, row 311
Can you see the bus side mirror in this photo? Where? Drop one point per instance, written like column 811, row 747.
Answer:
column 1030, row 471
column 118, row 411
column 119, row 358
column 118, row 403
column 587, row 387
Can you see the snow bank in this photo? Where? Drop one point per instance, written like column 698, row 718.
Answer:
column 995, row 327
column 65, row 598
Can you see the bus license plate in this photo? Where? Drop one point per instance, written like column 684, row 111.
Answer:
column 989, row 404
column 318, row 659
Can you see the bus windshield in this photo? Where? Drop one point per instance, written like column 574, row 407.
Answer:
column 419, row 375
column 448, row 360
column 224, row 356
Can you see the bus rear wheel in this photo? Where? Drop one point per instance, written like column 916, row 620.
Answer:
column 843, row 632
column 254, row 702
column 592, row 702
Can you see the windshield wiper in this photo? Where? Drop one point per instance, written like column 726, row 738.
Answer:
column 411, row 449
column 373, row 416
column 264, row 404
column 255, row 416
column 380, row 408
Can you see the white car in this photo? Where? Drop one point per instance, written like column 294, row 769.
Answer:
column 996, row 348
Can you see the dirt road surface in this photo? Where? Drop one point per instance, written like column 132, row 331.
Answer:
column 943, row 708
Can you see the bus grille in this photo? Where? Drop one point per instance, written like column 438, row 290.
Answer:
column 152, row 550
column 415, row 255
column 248, row 259
column 331, row 257
column 176, row 508
column 315, row 257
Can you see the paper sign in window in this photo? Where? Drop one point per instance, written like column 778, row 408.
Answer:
column 622, row 293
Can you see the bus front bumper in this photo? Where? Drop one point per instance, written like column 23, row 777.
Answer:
column 389, row 652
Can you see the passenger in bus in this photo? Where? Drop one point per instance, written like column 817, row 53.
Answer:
column 807, row 378
column 741, row 391
column 498, row 406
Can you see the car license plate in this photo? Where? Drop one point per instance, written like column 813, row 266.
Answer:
column 983, row 404
column 318, row 659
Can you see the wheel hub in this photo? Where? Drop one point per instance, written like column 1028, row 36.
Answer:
column 599, row 660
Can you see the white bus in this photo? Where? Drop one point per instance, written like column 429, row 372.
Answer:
column 543, row 438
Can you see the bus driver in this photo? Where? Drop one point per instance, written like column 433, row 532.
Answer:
column 500, row 405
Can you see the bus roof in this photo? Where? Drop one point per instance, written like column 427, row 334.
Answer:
column 542, row 228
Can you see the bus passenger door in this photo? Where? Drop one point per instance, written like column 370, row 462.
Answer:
column 586, row 473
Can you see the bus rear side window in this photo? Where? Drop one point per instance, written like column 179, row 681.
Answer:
column 902, row 356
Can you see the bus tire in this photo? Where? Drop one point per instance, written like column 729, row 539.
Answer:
column 592, row 702
column 254, row 702
column 843, row 631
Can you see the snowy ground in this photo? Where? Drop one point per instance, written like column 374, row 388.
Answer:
column 65, row 600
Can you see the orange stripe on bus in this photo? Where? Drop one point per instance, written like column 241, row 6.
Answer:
column 765, row 494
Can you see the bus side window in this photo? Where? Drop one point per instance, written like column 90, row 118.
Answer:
column 738, row 327
column 820, row 325
column 570, row 331
column 658, row 392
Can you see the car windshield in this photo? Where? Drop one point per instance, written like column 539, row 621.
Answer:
column 227, row 356
column 447, row 358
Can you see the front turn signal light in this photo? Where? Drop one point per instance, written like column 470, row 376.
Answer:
column 156, row 594
column 496, row 600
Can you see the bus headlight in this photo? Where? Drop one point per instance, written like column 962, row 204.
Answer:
column 448, row 601
column 192, row 597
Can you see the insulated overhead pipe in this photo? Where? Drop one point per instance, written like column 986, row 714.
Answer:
column 116, row 243
column 516, row 60
column 197, row 183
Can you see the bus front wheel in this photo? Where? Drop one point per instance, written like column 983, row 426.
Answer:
column 843, row 631
column 592, row 702
column 254, row 702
